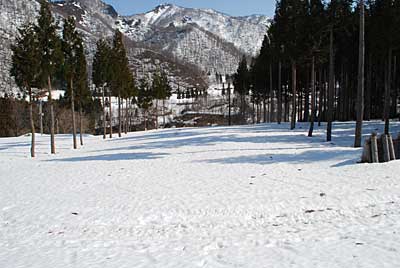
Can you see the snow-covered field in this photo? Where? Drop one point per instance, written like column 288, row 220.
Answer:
column 250, row 196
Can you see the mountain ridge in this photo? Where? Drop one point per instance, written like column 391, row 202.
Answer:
column 205, row 40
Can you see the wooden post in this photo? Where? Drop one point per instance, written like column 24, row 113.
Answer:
column 385, row 146
column 396, row 144
column 366, row 155
column 374, row 148
column 392, row 154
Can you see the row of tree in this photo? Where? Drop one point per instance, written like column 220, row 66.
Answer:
column 113, row 77
column 327, row 61
column 43, row 59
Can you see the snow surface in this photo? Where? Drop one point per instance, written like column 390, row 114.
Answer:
column 242, row 196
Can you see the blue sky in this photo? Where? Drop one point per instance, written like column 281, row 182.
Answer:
column 231, row 7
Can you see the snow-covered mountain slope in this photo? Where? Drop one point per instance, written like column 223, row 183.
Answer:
column 209, row 39
column 244, row 32
column 205, row 41
column 250, row 196
column 13, row 13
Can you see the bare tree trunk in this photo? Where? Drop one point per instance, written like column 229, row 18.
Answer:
column 294, row 90
column 163, row 112
column 145, row 120
column 52, row 137
column 279, row 92
column 387, row 91
column 129, row 115
column 331, row 88
column 306, row 114
column 73, row 113
column 104, row 115
column 394, row 88
column 287, row 105
column 312, row 119
column 368, row 90
column 229, row 105
column 32, row 123
column 253, row 114
column 265, row 108
column 360, row 89
column 119, row 117
column 272, row 117
column 321, row 96
column 41, row 117
column 111, row 116
column 125, row 115
column 156, row 122
column 80, row 124
column 57, row 127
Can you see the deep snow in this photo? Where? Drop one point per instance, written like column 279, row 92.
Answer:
column 242, row 196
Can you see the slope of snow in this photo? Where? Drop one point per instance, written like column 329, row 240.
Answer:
column 246, row 33
column 248, row 196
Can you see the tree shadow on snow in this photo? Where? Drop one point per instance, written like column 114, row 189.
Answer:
column 310, row 156
column 14, row 145
column 112, row 157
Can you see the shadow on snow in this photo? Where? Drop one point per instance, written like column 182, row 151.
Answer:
column 112, row 157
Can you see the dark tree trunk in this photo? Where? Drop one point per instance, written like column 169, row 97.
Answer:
column 32, row 123
column 41, row 117
column 387, row 91
column 126, row 116
column 367, row 114
column 279, row 119
column 271, row 89
column 163, row 111
column 111, row 116
column 360, row 88
column 119, row 117
column 331, row 88
column 342, row 105
column 73, row 114
column 307, row 103
column 312, row 119
column 52, row 121
column 264, row 108
column 395, row 93
column 294, row 92
column 321, row 96
column 80, row 124
column 104, row 115
column 156, row 121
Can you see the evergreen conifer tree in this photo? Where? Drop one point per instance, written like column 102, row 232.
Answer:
column 25, row 68
column 242, row 83
column 83, row 95
column 101, row 73
column 70, row 46
column 50, row 57
column 120, row 72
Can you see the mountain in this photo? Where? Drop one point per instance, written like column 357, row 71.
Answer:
column 188, row 43
column 240, row 31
